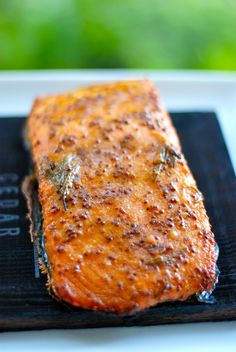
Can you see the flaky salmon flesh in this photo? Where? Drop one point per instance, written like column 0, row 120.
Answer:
column 124, row 223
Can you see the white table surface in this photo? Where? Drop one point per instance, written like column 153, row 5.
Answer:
column 181, row 91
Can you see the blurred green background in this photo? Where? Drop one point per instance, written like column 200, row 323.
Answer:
column 152, row 34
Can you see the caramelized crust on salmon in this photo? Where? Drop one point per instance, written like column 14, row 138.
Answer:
column 124, row 224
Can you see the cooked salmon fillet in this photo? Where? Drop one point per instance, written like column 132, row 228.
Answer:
column 124, row 224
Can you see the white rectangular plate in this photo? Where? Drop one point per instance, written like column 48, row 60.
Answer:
column 181, row 91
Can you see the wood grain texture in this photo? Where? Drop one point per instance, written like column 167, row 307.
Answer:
column 24, row 301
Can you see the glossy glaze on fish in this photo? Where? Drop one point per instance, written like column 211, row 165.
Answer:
column 124, row 224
